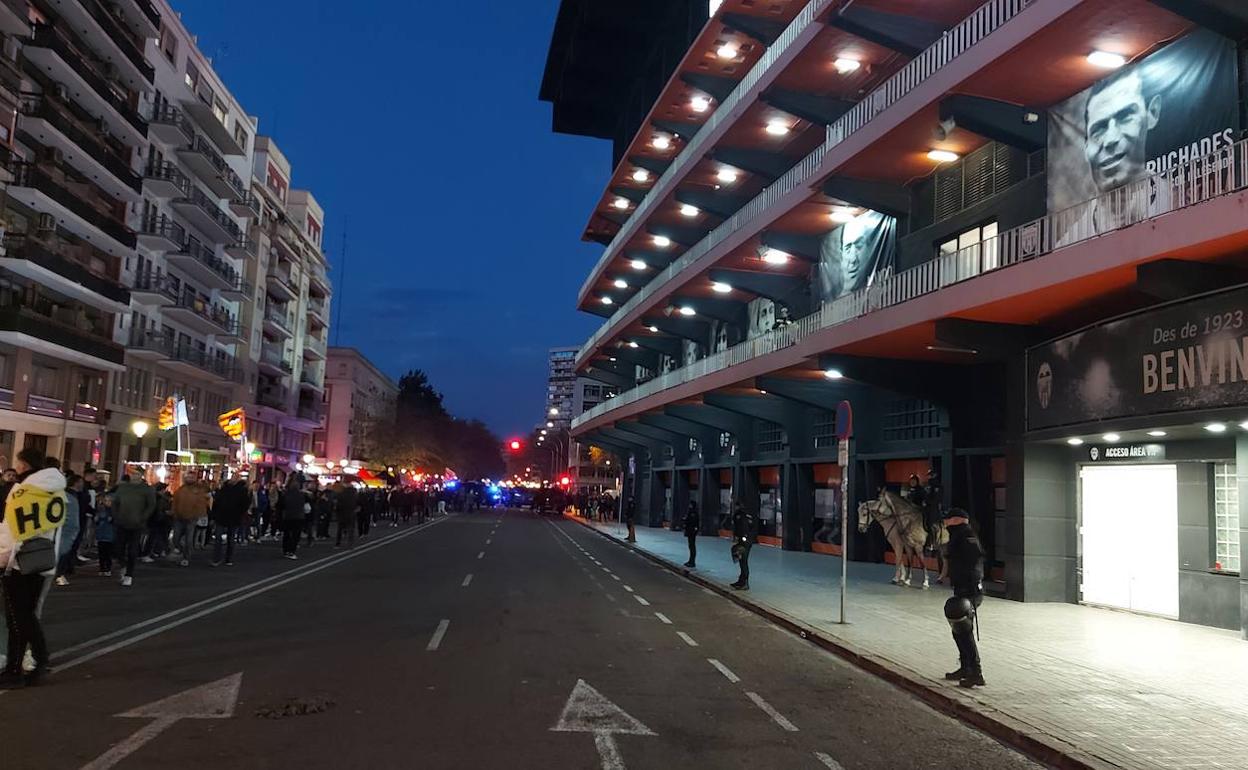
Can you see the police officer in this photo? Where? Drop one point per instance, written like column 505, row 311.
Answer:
column 966, row 572
column 744, row 534
column 693, row 525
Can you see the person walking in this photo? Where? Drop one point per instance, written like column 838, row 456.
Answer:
column 71, row 532
column 966, row 573
column 158, row 527
column 190, row 503
column 630, row 514
column 693, row 525
column 346, row 508
column 744, row 534
column 228, row 507
column 28, row 559
column 105, row 534
column 292, row 503
column 134, row 502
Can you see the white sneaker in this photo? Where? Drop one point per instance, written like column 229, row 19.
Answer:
column 61, row 580
column 127, row 581
column 147, row 560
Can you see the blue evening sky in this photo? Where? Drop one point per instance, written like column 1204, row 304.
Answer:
column 417, row 123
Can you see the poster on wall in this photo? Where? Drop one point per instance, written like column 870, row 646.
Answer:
column 762, row 313
column 1181, row 357
column 851, row 255
column 1177, row 104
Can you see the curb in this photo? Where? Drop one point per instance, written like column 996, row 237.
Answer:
column 1038, row 745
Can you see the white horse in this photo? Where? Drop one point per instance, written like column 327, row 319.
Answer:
column 903, row 528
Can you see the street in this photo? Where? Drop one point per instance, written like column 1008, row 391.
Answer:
column 491, row 639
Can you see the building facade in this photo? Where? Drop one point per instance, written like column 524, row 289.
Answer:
column 561, row 388
column 358, row 396
column 1006, row 235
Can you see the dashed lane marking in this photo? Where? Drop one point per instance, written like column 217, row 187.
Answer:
column 467, row 580
column 663, row 618
column 628, row 588
column 731, row 677
column 609, row 597
column 436, row 641
column 776, row 716
column 481, row 555
column 615, row 577
column 829, row 762
column 641, row 601
column 687, row 638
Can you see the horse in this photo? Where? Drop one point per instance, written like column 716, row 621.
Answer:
column 937, row 539
column 903, row 528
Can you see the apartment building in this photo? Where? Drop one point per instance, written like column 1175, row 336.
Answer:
column 589, row 470
column 358, row 395
column 1007, row 237
column 560, row 387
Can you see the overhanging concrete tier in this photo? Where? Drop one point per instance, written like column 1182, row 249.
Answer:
column 765, row 31
column 804, row 247
column 763, row 407
column 723, row 420
column 718, row 204
column 677, row 128
column 656, row 166
column 718, row 87
column 790, row 290
column 666, row 345
column 613, row 379
column 907, row 35
column 638, row 355
column 726, row 310
column 685, row 328
column 707, row 437
column 1168, row 279
column 769, row 165
column 641, row 443
column 997, row 120
column 820, row 394
column 817, row 109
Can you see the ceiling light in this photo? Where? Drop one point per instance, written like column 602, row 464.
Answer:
column 620, row 203
column 689, row 211
column 842, row 214
column 942, row 156
column 719, row 287
column 760, row 390
column 661, row 142
column 1075, row 441
column 1216, row 427
column 1106, row 60
column 699, row 104
column 775, row 257
column 777, row 127
column 1244, row 425
column 1156, row 433
column 641, row 175
column 686, row 310
column 609, row 358
column 652, row 329
column 620, row 283
column 638, row 264
column 727, row 51
column 606, row 300
column 846, row 66
column 833, row 374
column 727, row 175
column 632, row 344
column 1111, row 438
column 662, row 241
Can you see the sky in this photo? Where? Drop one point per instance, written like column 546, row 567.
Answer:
column 417, row 126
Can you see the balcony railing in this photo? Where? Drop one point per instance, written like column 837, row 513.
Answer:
column 119, row 33
column 76, row 268
column 215, row 314
column 161, row 226
column 153, row 282
column 214, row 212
column 165, row 114
column 48, row 36
column 202, row 146
column 167, row 172
column 982, row 22
column 274, row 396
column 223, row 366
column 74, row 327
column 1224, row 172
column 59, row 116
column 314, row 344
column 207, row 257
column 78, row 197
column 278, row 317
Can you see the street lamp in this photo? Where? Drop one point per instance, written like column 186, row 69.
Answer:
column 554, row 412
column 308, row 459
column 139, row 428
column 249, row 447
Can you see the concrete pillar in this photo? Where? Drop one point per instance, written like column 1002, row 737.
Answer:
column 708, row 499
column 1041, row 524
column 798, row 498
column 1241, row 471
column 24, row 371
column 680, row 497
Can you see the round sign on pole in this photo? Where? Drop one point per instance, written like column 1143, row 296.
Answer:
column 844, row 420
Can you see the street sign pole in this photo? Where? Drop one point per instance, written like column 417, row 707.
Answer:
column 844, row 430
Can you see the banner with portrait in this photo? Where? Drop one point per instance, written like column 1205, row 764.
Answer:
column 1175, row 105
column 852, row 254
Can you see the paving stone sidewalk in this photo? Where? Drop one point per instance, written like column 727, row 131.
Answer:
column 1124, row 690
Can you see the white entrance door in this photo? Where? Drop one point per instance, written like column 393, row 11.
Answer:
column 1130, row 537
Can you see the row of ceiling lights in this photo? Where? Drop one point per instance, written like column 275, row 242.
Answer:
column 1113, row 438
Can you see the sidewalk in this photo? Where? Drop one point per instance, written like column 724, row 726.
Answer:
column 1103, row 688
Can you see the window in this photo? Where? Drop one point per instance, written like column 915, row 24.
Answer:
column 240, row 134
column 1226, row 517
column 971, row 252
column 220, row 112
column 192, row 75
column 770, row 436
column 168, row 44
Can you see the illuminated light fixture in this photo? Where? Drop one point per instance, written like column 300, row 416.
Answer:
column 687, row 210
column 1106, row 60
column 661, row 142
column 1156, row 433
column 662, row 241
column 942, row 156
column 760, row 390
column 841, row 215
column 652, row 329
column 727, row 51
column 1244, row 425
column 620, row 203
column 1216, row 427
column 309, row 459
column 550, row 425
column 726, row 175
column 833, row 374
column 632, row 344
column 775, row 257
column 699, row 104
column 544, row 431
column 1075, row 441
column 846, row 65
column 777, row 127
column 719, row 287
column 620, row 283
column 1111, row 438
column 641, row 175
column 638, row 264
column 554, row 411
column 607, row 300
column 139, row 428
column 686, row 310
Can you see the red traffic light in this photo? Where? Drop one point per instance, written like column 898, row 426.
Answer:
column 565, row 481
column 513, row 445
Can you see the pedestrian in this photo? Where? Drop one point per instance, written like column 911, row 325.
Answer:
column 368, row 508
column 28, row 562
column 346, row 508
column 189, row 505
column 630, row 514
column 228, row 507
column 105, row 533
column 744, row 534
column 966, row 572
column 134, row 502
column 292, row 502
column 66, row 557
column 159, row 526
column 693, row 525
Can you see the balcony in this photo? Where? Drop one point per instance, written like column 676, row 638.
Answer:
column 245, row 205
column 14, row 18
column 311, row 379
column 206, row 118
column 170, row 126
column 53, row 406
column 273, row 395
column 78, row 273
column 52, row 52
column 166, row 181
column 110, row 36
column 50, row 326
column 280, row 283
column 63, row 128
column 202, row 265
column 153, row 289
column 160, row 233
column 206, row 216
column 318, row 279
column 314, row 348
column 199, row 314
column 273, row 361
column 318, row 312
column 277, row 323
column 207, row 164
column 243, row 249
column 148, row 345
column 77, row 205
column 312, row 412
column 141, row 15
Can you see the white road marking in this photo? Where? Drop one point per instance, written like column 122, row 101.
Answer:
column 709, row 591
column 489, row 540
column 731, row 677
column 831, row 763
column 663, row 618
column 776, row 716
column 587, row 711
column 436, row 641
column 481, row 555
column 467, row 580
column 628, row 588
column 687, row 638
column 641, row 601
column 609, row 596
column 615, row 577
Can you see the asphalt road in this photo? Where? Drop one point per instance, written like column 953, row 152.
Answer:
column 484, row 640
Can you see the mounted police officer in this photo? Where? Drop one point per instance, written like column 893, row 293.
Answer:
column 744, row 535
column 966, row 572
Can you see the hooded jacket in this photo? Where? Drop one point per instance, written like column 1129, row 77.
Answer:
column 48, row 480
column 190, row 502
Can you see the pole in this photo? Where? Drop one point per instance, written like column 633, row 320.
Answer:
column 843, row 459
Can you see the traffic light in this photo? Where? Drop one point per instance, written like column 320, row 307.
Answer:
column 564, row 481
column 514, row 445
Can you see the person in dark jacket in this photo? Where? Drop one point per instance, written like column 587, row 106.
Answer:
column 291, row 504
column 346, row 508
column 693, row 525
column 744, row 535
column 229, row 506
column 134, row 502
column 966, row 573
column 630, row 513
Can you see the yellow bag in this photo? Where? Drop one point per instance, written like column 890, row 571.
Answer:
column 31, row 512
